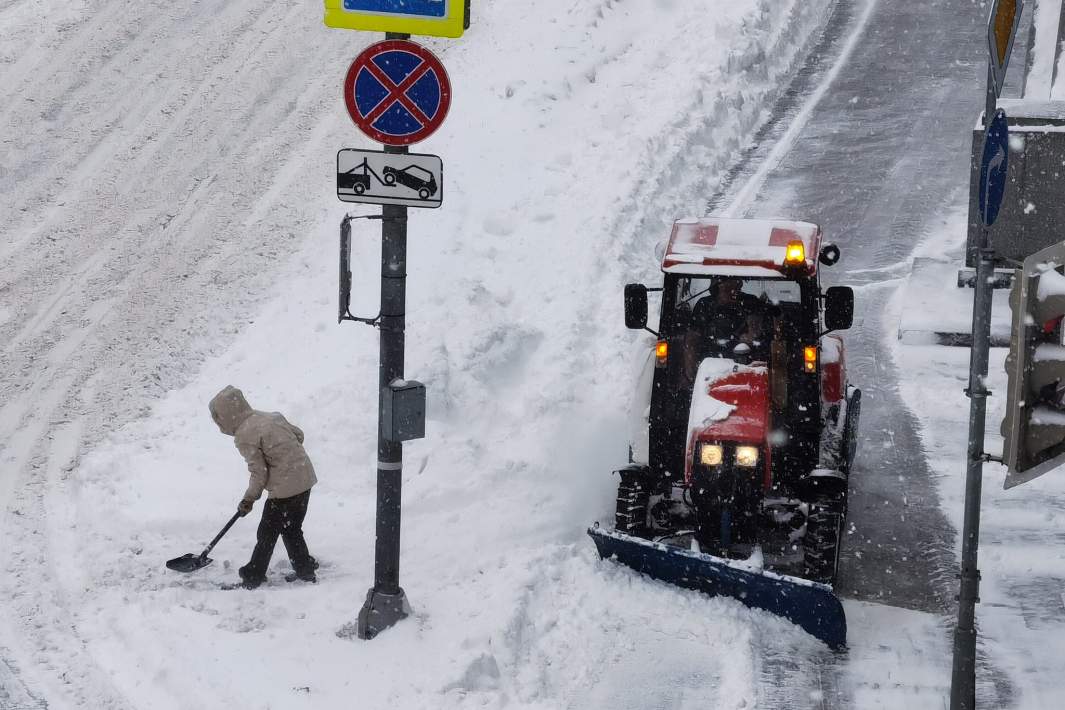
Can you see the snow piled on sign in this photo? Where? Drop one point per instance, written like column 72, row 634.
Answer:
column 1051, row 282
column 1039, row 79
column 577, row 133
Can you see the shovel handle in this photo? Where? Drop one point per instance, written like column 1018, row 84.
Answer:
column 218, row 537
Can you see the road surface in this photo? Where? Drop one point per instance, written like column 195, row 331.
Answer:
column 874, row 149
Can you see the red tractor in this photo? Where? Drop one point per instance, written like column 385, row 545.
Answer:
column 746, row 425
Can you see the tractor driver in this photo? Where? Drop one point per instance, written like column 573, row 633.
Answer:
column 722, row 316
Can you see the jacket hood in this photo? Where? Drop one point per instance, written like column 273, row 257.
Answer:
column 229, row 409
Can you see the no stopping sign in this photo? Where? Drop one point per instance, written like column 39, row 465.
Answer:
column 397, row 92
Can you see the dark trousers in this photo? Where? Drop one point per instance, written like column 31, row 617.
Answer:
column 281, row 517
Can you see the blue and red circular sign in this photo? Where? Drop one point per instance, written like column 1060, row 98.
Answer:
column 397, row 92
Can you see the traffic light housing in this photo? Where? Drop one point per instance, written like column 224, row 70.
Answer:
column 1034, row 425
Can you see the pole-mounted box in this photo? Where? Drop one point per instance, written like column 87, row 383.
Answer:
column 403, row 411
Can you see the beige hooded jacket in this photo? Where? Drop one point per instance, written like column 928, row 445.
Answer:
column 271, row 445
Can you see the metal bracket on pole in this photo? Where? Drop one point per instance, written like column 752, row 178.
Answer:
column 345, row 272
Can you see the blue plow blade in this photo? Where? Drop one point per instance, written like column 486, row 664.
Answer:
column 809, row 605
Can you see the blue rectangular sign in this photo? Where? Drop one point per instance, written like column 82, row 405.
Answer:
column 993, row 166
column 403, row 8
column 436, row 18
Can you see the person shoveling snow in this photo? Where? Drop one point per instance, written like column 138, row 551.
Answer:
column 277, row 463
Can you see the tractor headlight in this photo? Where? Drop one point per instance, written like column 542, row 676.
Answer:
column 747, row 456
column 711, row 454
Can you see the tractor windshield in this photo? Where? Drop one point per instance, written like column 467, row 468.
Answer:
column 728, row 316
column 774, row 291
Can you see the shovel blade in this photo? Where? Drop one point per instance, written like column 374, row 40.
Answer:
column 188, row 563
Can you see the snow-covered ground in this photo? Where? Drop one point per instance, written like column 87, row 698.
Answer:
column 577, row 133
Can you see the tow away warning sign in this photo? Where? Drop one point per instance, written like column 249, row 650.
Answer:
column 378, row 178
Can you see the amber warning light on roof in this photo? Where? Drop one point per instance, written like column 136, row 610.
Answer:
column 795, row 254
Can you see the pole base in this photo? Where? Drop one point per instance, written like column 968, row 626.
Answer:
column 380, row 612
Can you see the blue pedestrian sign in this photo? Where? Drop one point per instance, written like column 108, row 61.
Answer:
column 397, row 92
column 399, row 8
column 993, row 166
column 437, row 18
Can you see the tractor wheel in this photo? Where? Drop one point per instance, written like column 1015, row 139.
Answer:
column 824, row 535
column 633, row 496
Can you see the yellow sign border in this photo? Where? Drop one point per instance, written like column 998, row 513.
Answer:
column 453, row 24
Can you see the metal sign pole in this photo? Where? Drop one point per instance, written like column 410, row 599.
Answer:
column 386, row 603
column 1001, row 30
column 963, row 677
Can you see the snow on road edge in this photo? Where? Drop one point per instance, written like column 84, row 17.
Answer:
column 556, row 149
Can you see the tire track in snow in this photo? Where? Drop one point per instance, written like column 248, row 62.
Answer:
column 612, row 633
column 871, row 165
column 543, row 665
column 196, row 263
column 788, row 679
column 788, row 674
column 118, row 290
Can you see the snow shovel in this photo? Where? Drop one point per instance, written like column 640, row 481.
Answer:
column 190, row 562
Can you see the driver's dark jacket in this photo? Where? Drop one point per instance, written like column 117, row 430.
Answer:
column 723, row 321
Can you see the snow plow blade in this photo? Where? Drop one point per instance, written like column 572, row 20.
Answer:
column 809, row 605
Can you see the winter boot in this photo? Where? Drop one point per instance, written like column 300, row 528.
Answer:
column 247, row 581
column 304, row 573
column 292, row 577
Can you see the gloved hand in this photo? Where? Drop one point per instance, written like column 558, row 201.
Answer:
column 245, row 506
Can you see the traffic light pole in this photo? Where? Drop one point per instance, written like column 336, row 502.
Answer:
column 963, row 677
column 386, row 603
column 963, row 680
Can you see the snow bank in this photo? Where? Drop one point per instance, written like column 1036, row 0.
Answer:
column 577, row 133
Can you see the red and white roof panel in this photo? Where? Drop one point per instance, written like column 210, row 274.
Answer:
column 738, row 247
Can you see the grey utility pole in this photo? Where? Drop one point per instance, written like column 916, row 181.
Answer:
column 963, row 678
column 386, row 603
column 1002, row 28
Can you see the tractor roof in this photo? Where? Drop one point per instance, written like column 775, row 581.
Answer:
column 710, row 246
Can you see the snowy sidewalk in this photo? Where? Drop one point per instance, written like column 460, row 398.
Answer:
column 1021, row 614
column 577, row 133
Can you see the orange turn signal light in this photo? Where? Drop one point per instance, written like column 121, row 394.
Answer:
column 809, row 358
column 795, row 253
column 661, row 352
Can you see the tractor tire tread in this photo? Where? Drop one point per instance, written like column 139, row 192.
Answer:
column 821, row 544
